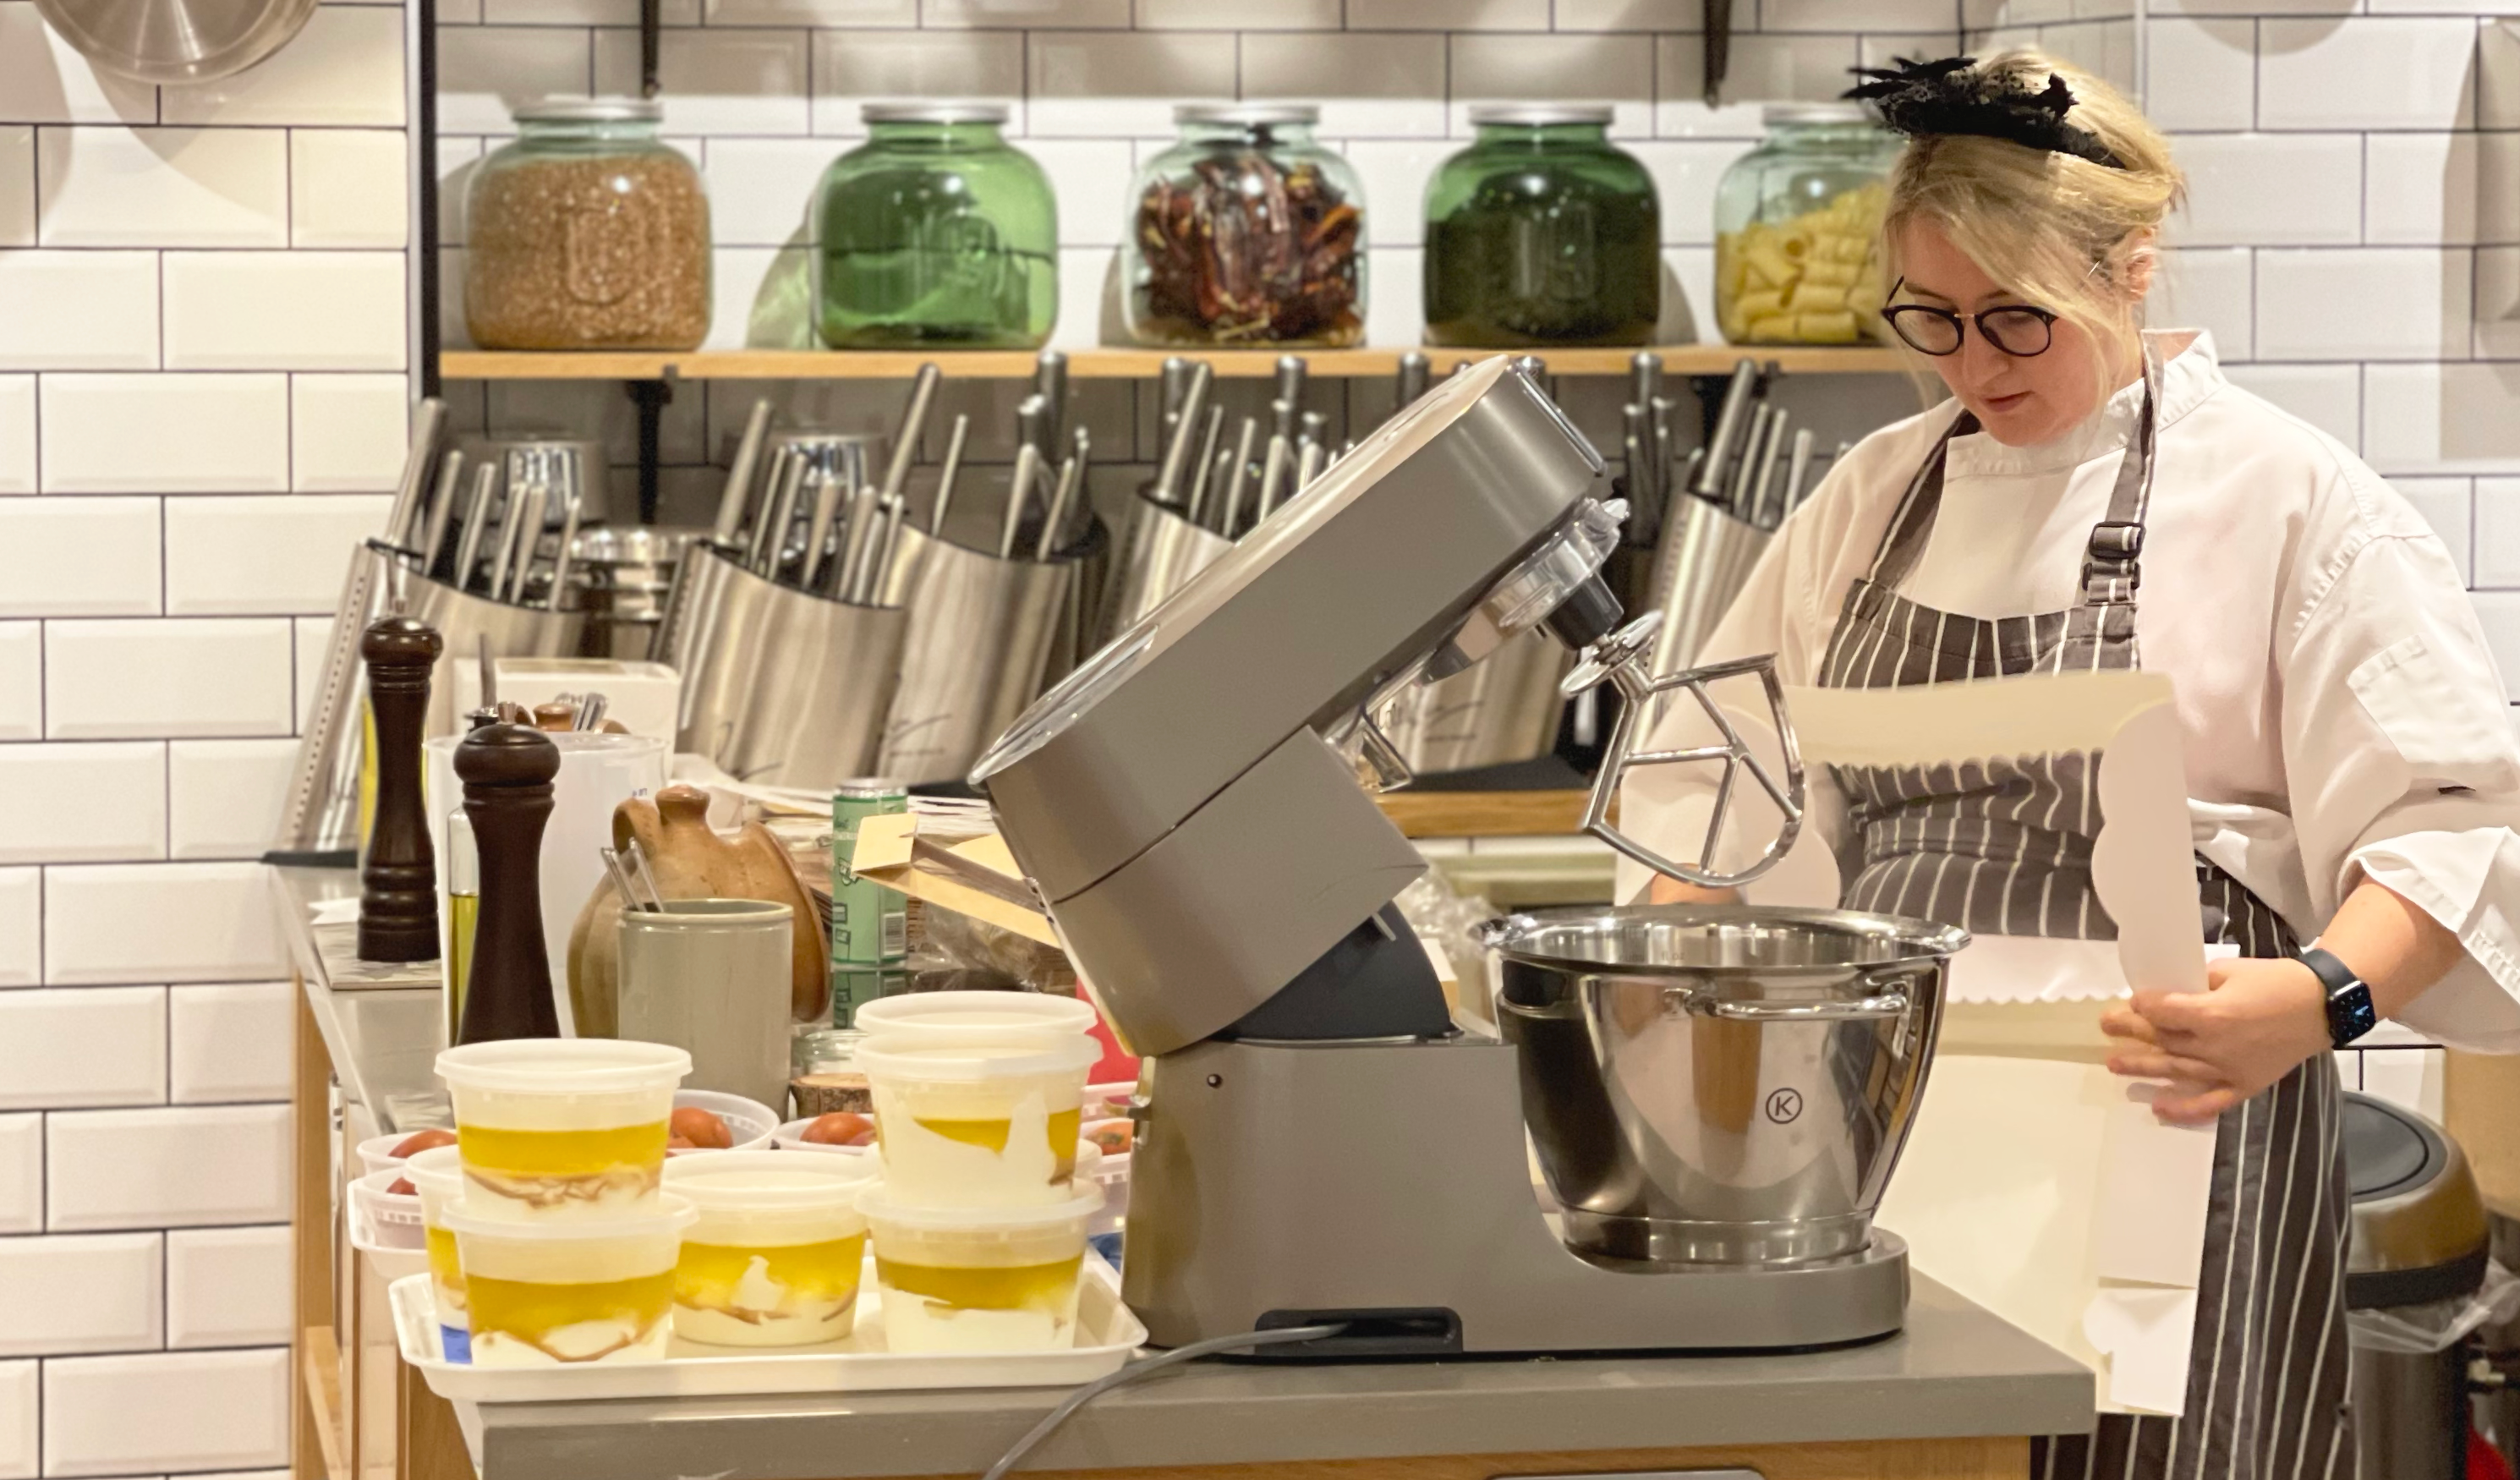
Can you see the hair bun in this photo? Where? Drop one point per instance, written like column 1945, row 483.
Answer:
column 1956, row 96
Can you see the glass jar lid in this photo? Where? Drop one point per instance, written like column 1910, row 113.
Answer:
column 1776, row 114
column 1246, row 113
column 1539, row 114
column 926, row 112
column 590, row 110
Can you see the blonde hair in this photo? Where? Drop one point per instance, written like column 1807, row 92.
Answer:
column 2068, row 234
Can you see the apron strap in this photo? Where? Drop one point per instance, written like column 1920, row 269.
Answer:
column 1905, row 543
column 2111, row 565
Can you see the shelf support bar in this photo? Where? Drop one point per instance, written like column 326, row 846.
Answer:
column 652, row 21
column 651, row 397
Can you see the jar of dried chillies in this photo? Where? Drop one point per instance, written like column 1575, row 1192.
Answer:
column 1248, row 232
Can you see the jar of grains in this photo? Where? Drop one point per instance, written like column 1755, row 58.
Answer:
column 587, row 233
column 1248, row 233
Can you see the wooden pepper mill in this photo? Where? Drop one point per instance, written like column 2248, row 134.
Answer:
column 399, row 876
column 507, row 772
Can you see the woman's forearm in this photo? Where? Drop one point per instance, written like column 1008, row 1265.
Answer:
column 2390, row 942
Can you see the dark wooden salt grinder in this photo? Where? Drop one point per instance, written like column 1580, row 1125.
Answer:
column 399, row 876
column 507, row 772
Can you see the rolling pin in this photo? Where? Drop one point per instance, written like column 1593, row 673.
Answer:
column 398, row 875
column 507, row 771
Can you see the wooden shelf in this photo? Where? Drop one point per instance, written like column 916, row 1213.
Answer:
column 1101, row 364
column 1486, row 814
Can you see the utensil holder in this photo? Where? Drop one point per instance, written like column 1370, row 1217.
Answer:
column 982, row 636
column 1159, row 552
column 1705, row 558
column 1503, row 709
column 466, row 619
column 783, row 687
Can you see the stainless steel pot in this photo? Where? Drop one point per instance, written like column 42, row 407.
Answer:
column 1720, row 1083
column 621, row 580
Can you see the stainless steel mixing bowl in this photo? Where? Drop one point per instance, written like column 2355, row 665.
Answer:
column 1720, row 1083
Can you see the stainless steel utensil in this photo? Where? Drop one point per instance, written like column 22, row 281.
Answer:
column 1169, row 474
column 1411, row 383
column 1767, row 507
column 402, row 520
column 1018, row 490
column 441, row 512
column 1725, row 440
column 945, row 477
column 1050, row 382
column 1204, row 478
column 732, row 504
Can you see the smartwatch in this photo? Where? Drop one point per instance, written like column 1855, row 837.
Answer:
column 2350, row 1013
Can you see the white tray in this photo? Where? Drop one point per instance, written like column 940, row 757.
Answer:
column 1107, row 1331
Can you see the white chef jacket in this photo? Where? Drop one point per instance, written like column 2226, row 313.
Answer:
column 2342, row 716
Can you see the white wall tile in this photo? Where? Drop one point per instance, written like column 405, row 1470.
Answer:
column 343, row 70
column 96, row 1293
column 21, row 927
column 1010, row 14
column 1642, row 16
column 268, row 555
column 347, row 432
column 1246, row 15
column 2441, row 418
column 85, row 802
column 22, row 1195
column 482, row 73
column 44, row 79
column 1395, row 173
column 2204, row 73
column 2498, row 533
column 80, row 557
column 457, row 162
column 197, row 1165
column 1099, row 84
column 285, row 310
column 1854, row 16
column 1686, row 173
column 716, row 82
column 16, row 185
column 2275, row 190
column 165, row 433
column 17, row 434
column 1758, row 69
column 814, row 13
column 162, row 187
column 759, row 299
column 2449, row 505
column 504, row 13
column 230, row 1041
column 2328, row 397
column 1369, row 84
column 2356, row 71
column 1451, row 16
column 206, row 1411
column 2498, row 187
column 2209, row 287
column 2497, row 72
column 2420, row 189
column 2363, row 303
column 1395, row 308
column 1586, row 69
column 1089, row 178
column 346, row 188
column 81, row 1047
column 204, row 923
column 79, row 310
column 172, row 676
column 228, row 1287
column 852, row 71
column 761, row 191
column 224, row 798
column 22, row 692
column 21, row 1425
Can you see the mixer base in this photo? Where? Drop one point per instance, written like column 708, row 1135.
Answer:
column 1386, row 1185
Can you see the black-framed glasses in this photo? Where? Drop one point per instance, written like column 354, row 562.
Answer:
column 2017, row 329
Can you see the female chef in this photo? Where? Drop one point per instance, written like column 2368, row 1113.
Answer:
column 2097, row 496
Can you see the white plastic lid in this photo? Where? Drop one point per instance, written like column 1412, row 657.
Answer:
column 440, row 1168
column 755, row 1181
column 562, row 1065
column 926, row 1055
column 876, row 1203
column 671, row 1217
column 976, row 1011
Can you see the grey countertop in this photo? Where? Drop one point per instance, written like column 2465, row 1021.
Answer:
column 1956, row 1371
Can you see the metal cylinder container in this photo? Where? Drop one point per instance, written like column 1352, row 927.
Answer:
column 1701, row 565
column 1502, row 709
column 622, row 580
column 2418, row 1239
column 785, row 686
column 982, row 633
column 1160, row 549
column 464, row 619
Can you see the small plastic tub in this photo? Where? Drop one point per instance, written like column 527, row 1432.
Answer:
column 984, row 1014
column 777, row 1253
column 438, row 1175
column 571, row 1292
column 974, row 1122
column 790, row 1136
column 748, row 1122
column 377, row 1152
column 562, row 1128
column 977, row 1279
column 386, row 1225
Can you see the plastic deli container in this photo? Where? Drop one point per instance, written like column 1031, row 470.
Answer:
column 438, row 1175
column 568, row 1292
column 986, row 1014
column 385, row 1224
column 377, row 1152
column 776, row 1255
column 562, row 1128
column 749, row 1123
column 978, row 1279
column 977, row 1122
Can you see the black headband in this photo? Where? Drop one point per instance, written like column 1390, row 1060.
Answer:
column 1924, row 99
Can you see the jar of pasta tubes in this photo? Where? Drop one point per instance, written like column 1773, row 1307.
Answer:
column 1798, row 226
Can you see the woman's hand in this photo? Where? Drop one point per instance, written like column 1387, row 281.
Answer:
column 1667, row 890
column 2255, row 1023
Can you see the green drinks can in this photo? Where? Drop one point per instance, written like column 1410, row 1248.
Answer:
column 870, row 924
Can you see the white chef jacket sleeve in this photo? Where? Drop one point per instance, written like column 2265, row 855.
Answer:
column 2403, row 768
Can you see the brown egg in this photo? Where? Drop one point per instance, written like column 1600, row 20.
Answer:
column 701, row 1128
column 423, row 1141
column 678, row 1144
column 1112, row 1138
column 402, row 1188
column 840, row 1128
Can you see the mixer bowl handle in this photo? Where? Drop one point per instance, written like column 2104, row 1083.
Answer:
column 1623, row 659
column 1846, row 1009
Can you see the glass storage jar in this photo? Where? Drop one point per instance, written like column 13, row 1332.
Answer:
column 935, row 234
column 1541, row 232
column 1797, row 229
column 1248, row 233
column 586, row 231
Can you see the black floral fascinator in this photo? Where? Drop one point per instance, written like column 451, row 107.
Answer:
column 1923, row 98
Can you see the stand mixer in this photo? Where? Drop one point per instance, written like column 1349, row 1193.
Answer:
column 1717, row 1094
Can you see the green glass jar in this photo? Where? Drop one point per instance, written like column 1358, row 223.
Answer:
column 587, row 232
column 935, row 234
column 1541, row 232
column 1798, row 226
column 1249, row 233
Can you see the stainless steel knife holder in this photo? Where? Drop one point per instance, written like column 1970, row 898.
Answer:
column 464, row 619
column 981, row 638
column 1502, row 709
column 1705, row 558
column 780, row 686
column 1160, row 549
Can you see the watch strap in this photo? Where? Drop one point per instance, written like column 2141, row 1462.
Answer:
column 2350, row 1010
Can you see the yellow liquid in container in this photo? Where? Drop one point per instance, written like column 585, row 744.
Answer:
column 568, row 1323
column 709, row 1275
column 561, row 1154
column 446, row 1275
column 992, row 1135
column 1050, row 1287
column 464, row 911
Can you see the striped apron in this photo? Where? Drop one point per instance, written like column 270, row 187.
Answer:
column 2004, row 848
